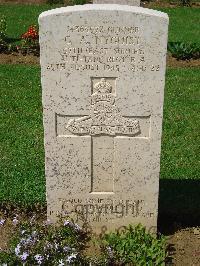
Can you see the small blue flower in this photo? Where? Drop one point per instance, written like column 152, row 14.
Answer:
column 17, row 250
column 47, row 222
column 77, row 227
column 56, row 246
column 66, row 249
column 15, row 221
column 23, row 241
column 39, row 258
column 24, row 256
column 23, row 232
column 110, row 252
column 2, row 221
column 71, row 257
column 34, row 233
column 61, row 263
column 67, row 222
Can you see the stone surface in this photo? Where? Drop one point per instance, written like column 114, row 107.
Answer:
column 119, row 2
column 103, row 88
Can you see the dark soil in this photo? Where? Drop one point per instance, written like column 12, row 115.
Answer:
column 173, row 62
column 17, row 58
column 9, row 212
column 184, row 247
column 165, row 4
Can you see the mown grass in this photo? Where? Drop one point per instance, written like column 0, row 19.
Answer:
column 184, row 21
column 20, row 17
column 183, row 24
column 21, row 131
column 21, row 137
column 180, row 143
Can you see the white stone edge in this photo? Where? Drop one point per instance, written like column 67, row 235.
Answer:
column 103, row 7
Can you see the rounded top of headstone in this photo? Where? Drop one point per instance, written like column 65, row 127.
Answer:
column 104, row 7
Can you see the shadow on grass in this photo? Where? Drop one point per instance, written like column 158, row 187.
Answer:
column 179, row 204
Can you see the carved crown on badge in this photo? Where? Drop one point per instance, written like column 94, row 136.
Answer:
column 105, row 117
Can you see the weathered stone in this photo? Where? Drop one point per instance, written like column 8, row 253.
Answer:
column 119, row 2
column 103, row 84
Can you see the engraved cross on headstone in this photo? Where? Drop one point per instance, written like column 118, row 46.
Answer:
column 104, row 123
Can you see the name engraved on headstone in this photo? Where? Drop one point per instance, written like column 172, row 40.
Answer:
column 103, row 53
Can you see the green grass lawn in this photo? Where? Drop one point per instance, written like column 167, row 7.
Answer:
column 184, row 22
column 180, row 143
column 21, row 139
column 20, row 17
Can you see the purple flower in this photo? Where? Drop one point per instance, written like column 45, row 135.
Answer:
column 23, row 231
column 17, row 250
column 110, row 252
column 61, row 263
column 67, row 222
column 34, row 233
column 23, row 241
column 71, row 257
column 77, row 227
column 66, row 249
column 39, row 258
column 15, row 221
column 48, row 246
column 47, row 222
column 24, row 256
column 32, row 219
column 27, row 241
column 56, row 246
column 2, row 221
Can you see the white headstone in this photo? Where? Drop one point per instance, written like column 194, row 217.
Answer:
column 103, row 74
column 119, row 2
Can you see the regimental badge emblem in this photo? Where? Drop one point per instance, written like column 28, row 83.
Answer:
column 105, row 117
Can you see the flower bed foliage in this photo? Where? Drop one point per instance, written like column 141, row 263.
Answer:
column 64, row 243
column 185, row 2
column 29, row 41
column 44, row 244
column 3, row 27
column 135, row 246
column 184, row 51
